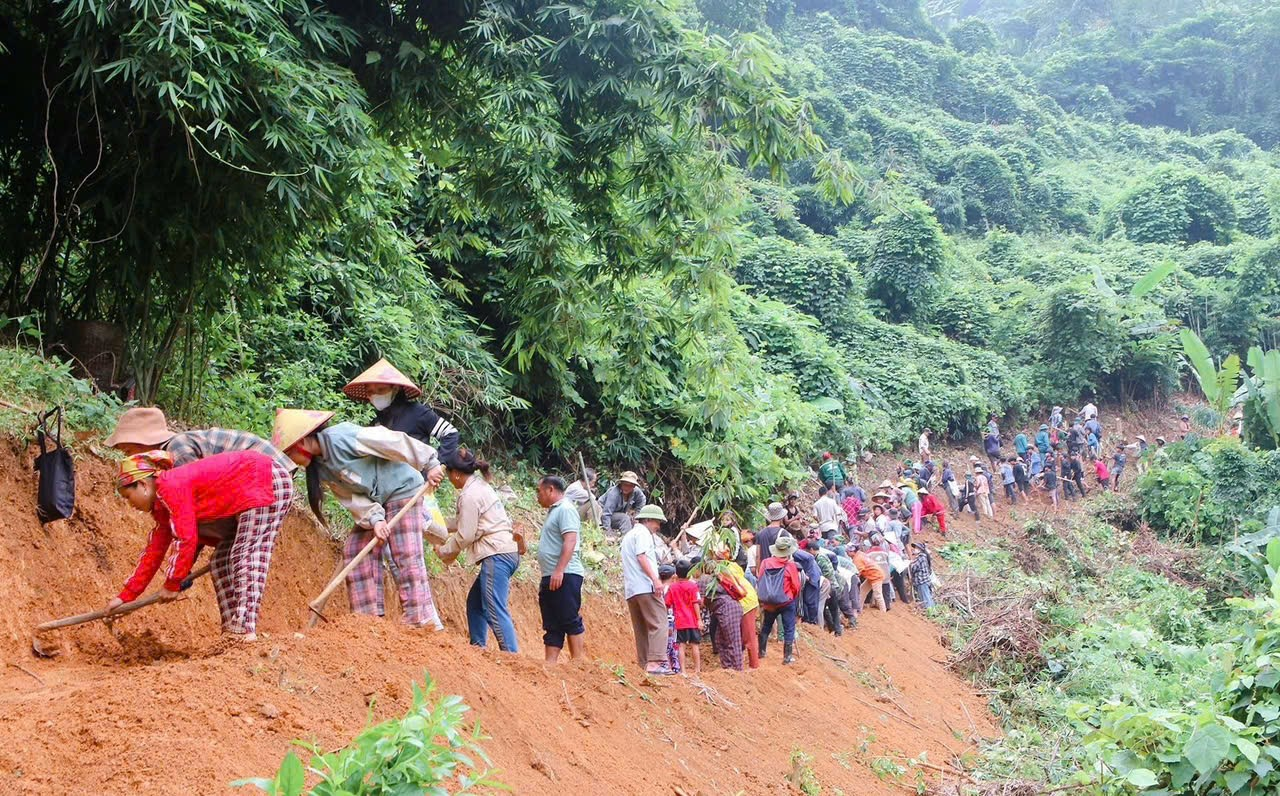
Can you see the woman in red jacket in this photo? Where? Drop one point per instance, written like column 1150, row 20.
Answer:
column 930, row 506
column 247, row 485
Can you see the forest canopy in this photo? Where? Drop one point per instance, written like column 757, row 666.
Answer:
column 705, row 239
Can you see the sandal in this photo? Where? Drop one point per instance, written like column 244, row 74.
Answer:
column 662, row 671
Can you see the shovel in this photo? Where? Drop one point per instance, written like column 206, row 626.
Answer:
column 93, row 616
column 317, row 605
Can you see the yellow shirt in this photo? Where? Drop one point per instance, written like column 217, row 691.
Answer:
column 752, row 600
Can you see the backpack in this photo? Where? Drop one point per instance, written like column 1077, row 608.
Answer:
column 772, row 587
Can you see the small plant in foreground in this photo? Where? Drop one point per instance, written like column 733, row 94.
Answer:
column 428, row 751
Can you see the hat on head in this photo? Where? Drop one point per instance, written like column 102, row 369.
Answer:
column 1044, row 426
column 666, row 571
column 793, row 495
column 784, row 547
column 651, row 512
column 1140, row 437
column 293, row 425
column 382, row 372
column 144, row 425
column 775, row 512
column 881, row 496
column 921, row 490
column 629, row 477
column 1161, row 440
column 885, row 484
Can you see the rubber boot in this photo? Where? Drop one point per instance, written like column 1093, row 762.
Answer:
column 788, row 653
column 764, row 643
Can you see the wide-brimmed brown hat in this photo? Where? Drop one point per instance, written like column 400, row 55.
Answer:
column 382, row 372
column 293, row 425
column 144, row 425
column 629, row 477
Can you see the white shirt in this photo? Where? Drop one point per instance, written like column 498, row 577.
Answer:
column 1089, row 411
column 828, row 513
column 924, row 444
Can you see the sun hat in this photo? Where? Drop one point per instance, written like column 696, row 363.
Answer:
column 784, row 547
column 651, row 512
column 921, row 490
column 885, row 484
column 629, row 477
column 775, row 512
column 292, row 425
column 144, row 425
column 1144, row 439
column 381, row 372
column 795, row 495
column 880, row 496
column 1161, row 440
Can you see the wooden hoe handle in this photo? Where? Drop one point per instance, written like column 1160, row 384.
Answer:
column 127, row 608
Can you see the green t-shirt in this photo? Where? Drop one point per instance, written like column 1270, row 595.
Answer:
column 832, row 472
column 562, row 518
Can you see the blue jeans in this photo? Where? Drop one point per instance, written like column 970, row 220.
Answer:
column 788, row 615
column 487, row 602
column 924, row 594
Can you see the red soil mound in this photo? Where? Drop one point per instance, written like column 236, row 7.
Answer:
column 163, row 707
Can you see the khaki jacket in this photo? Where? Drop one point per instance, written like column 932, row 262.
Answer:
column 483, row 527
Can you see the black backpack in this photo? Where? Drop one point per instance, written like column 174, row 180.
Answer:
column 56, row 493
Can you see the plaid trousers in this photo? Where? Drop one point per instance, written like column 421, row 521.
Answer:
column 728, row 613
column 239, row 565
column 364, row 584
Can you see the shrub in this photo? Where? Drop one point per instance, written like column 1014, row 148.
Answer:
column 427, row 751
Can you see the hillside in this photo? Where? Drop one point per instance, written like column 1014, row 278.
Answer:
column 122, row 714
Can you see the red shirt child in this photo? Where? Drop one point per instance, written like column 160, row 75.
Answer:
column 684, row 599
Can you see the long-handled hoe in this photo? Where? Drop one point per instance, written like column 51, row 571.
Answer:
column 79, row 619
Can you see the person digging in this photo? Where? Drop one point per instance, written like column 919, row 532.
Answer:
column 248, row 486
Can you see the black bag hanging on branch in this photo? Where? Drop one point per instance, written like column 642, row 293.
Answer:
column 56, row 493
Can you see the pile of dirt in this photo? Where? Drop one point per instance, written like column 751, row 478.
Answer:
column 158, row 704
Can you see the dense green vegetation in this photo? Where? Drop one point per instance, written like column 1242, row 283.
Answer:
column 701, row 238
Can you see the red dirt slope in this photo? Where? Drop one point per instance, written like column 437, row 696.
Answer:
column 164, row 708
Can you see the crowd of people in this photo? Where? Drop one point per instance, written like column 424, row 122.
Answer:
column 717, row 580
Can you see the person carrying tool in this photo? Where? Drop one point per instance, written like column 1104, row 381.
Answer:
column 373, row 472
column 247, row 485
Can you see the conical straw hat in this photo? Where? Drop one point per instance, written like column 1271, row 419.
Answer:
column 381, row 372
column 294, row 424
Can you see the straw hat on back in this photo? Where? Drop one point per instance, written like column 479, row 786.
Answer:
column 382, row 372
column 293, row 425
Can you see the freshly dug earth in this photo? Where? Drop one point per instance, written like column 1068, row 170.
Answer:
column 160, row 705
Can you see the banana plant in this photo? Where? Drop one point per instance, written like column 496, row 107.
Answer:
column 1217, row 383
column 1262, row 383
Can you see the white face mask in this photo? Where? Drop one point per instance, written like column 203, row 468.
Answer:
column 381, row 400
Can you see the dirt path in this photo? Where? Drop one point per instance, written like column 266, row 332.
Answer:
column 161, row 707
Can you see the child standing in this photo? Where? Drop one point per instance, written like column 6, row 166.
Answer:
column 685, row 600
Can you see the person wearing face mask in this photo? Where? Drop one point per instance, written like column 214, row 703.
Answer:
column 392, row 395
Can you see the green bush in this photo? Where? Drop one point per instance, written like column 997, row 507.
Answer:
column 429, row 751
